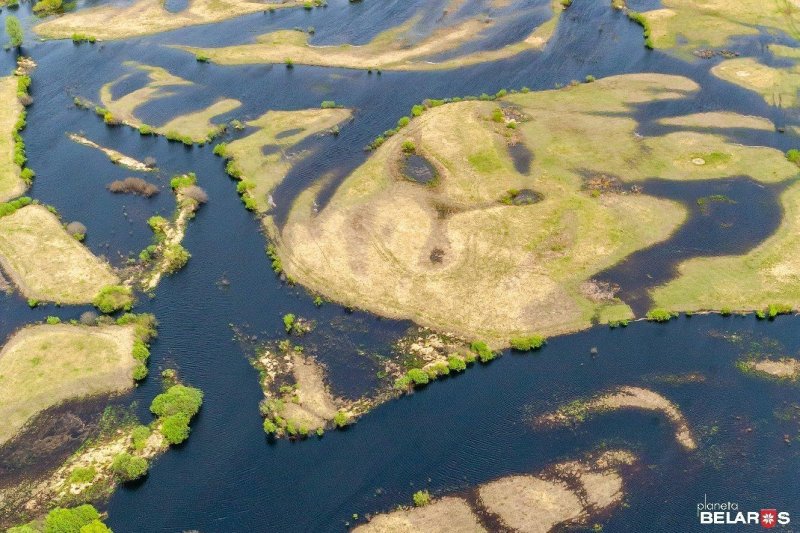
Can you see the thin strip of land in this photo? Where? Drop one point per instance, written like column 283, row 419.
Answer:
column 11, row 184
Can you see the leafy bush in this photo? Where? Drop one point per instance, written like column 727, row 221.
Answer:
column 408, row 147
column 53, row 320
column 403, row 122
column 195, row 193
column 456, row 364
column 482, row 350
column 660, row 315
column 175, row 428
column 417, row 110
column 144, row 129
column 793, row 155
column 139, row 372
column 139, row 436
column 202, row 58
column 418, row 376
column 9, row 208
column 422, row 498
column 220, row 149
column 640, row 19
column 183, row 180
column 175, row 257
column 341, row 419
column 774, row 310
column 114, row 298
column 525, row 344
column 61, row 520
column 270, row 427
column 328, row 104
column 95, row 526
column 82, row 474
column 79, row 38
column 288, row 322
column 127, row 467
column 178, row 399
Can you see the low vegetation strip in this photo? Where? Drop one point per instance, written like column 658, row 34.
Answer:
column 43, row 365
column 47, row 263
column 11, row 184
column 118, row 158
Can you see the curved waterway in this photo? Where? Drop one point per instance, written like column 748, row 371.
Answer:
column 455, row 433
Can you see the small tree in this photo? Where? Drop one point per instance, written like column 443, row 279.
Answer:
column 14, row 31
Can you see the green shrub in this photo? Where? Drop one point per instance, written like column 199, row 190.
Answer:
column 178, row 399
column 660, row 315
column 497, row 115
column 114, row 298
column 272, row 253
column 288, row 322
column 408, row 147
column 127, row 467
column 61, row 520
column 417, row 110
column 270, row 427
column 27, row 175
column 82, row 474
column 183, row 180
column 482, row 350
column 589, row 78
column 139, row 436
column 418, row 376
column 526, row 344
column 774, row 310
column 456, row 364
column 53, row 320
column 328, row 104
column 220, row 149
column 79, row 38
column 175, row 428
column 139, row 372
column 289, row 63
column 175, row 257
column 341, row 419
column 144, row 129
column 202, row 58
column 403, row 122
column 95, row 526
column 422, row 498
column 793, row 155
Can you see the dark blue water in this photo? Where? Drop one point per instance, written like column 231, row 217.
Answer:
column 456, row 433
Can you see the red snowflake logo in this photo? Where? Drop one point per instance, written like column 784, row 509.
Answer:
column 769, row 517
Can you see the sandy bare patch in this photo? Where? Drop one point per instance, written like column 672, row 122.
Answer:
column 530, row 504
column 48, row 264
column 41, row 366
column 118, row 158
column 624, row 398
column 443, row 516
column 11, row 185
column 786, row 368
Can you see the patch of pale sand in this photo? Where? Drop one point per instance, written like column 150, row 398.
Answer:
column 529, row 504
column 639, row 398
column 316, row 404
column 46, row 263
column 627, row 398
column 144, row 17
column 719, row 120
column 118, row 158
column 447, row 515
column 786, row 368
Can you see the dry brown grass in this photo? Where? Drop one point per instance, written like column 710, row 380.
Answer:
column 118, row 158
column 387, row 51
column 265, row 171
column 41, row 366
column 46, row 263
column 502, row 270
column 11, row 185
column 786, row 368
column 144, row 17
